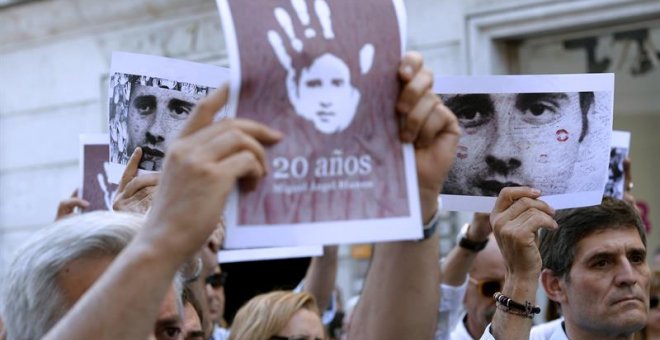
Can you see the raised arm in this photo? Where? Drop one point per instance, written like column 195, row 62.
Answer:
column 321, row 277
column 401, row 295
column 516, row 219
column 200, row 169
column 68, row 206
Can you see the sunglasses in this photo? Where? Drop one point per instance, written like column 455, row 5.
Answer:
column 217, row 280
column 654, row 302
column 488, row 288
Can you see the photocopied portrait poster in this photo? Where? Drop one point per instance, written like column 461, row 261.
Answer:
column 95, row 187
column 549, row 132
column 324, row 73
column 616, row 174
column 150, row 99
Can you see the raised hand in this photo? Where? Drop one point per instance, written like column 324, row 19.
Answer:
column 135, row 193
column 69, row 205
column 430, row 125
column 200, row 170
column 516, row 219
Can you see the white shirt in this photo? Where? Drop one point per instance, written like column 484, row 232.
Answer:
column 552, row 330
column 220, row 333
column 460, row 332
column 450, row 310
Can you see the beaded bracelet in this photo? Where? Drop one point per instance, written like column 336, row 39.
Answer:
column 514, row 311
column 506, row 304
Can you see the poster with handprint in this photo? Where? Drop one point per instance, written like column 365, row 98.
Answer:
column 96, row 186
column 324, row 73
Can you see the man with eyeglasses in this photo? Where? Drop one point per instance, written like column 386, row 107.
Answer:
column 215, row 291
column 473, row 272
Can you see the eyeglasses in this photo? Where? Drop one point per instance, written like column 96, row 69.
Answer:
column 654, row 302
column 487, row 287
column 294, row 337
column 217, row 280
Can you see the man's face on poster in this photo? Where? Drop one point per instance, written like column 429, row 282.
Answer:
column 155, row 117
column 326, row 96
column 515, row 139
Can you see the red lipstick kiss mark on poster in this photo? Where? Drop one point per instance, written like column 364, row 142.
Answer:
column 562, row 135
column 462, row 152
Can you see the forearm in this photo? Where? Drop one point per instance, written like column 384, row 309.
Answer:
column 456, row 265
column 321, row 276
column 401, row 294
column 505, row 325
column 124, row 302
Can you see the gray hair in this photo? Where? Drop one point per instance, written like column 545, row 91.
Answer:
column 32, row 302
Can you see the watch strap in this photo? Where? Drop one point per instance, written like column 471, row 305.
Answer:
column 470, row 245
column 432, row 226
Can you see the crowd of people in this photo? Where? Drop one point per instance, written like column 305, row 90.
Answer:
column 149, row 269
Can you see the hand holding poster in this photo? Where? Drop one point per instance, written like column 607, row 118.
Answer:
column 326, row 77
column 549, row 132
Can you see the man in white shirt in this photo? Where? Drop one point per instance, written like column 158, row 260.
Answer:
column 476, row 253
column 592, row 261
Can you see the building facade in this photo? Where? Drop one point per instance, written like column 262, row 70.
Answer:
column 55, row 56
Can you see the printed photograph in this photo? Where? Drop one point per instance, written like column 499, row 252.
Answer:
column 614, row 186
column 96, row 187
column 549, row 132
column 316, row 72
column 148, row 112
column 617, row 173
column 149, row 100
column 518, row 139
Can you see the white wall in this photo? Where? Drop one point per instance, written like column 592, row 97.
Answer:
column 54, row 58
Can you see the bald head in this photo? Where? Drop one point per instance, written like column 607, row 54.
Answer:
column 489, row 262
column 487, row 270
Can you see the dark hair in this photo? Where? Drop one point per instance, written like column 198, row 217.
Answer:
column 558, row 246
column 586, row 101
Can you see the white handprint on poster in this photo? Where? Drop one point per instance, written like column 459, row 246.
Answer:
column 96, row 186
column 325, row 74
column 322, row 92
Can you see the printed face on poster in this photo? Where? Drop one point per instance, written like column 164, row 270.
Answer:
column 150, row 99
column 550, row 132
column 325, row 74
column 96, row 187
column 618, row 154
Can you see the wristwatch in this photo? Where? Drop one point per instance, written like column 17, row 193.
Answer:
column 468, row 244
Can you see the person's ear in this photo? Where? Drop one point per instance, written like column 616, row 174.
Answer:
column 553, row 285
